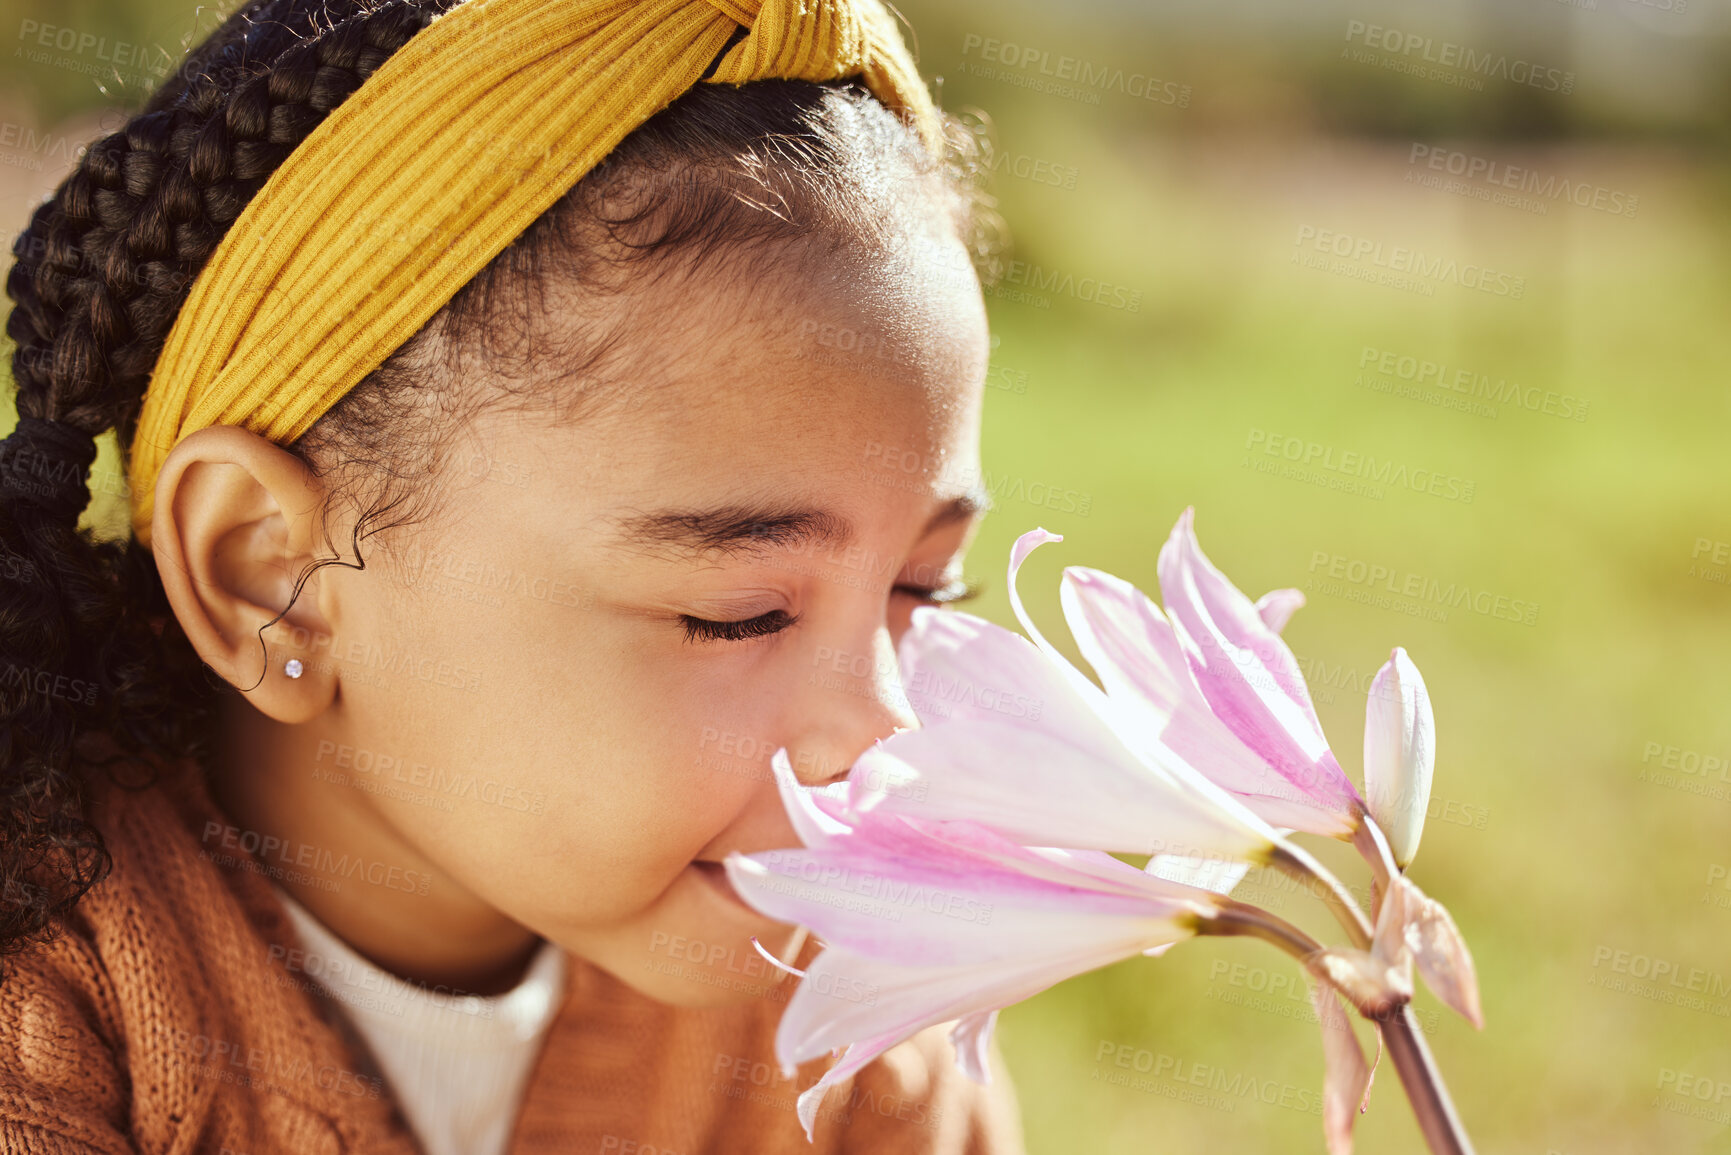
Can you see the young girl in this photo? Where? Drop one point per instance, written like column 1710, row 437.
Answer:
column 537, row 413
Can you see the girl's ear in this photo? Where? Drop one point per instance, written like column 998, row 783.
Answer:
column 235, row 525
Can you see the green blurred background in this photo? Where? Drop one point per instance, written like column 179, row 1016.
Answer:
column 1581, row 827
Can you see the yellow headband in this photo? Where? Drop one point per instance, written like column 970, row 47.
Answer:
column 453, row 147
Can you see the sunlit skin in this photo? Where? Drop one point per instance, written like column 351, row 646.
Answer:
column 624, row 756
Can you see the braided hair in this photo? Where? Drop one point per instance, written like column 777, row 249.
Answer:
column 95, row 672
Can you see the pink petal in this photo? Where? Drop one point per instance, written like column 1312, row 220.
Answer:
column 1276, row 607
column 1054, row 913
column 811, row 822
column 847, row 998
column 1345, row 1078
column 962, row 894
column 1220, row 618
column 895, row 911
column 1067, row 867
column 1247, row 673
column 1140, row 660
column 1007, row 688
column 1046, row 788
column 960, row 668
column 1025, row 545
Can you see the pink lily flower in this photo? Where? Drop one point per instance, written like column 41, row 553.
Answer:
column 1016, row 738
column 929, row 922
column 1142, row 658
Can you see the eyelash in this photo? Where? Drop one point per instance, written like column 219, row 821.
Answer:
column 960, row 590
column 704, row 630
column 775, row 621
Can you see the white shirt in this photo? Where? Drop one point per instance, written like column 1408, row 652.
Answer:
column 456, row 1063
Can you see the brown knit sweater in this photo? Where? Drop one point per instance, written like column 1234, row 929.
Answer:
column 156, row 1021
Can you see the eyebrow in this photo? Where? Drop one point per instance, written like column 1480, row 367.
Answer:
column 743, row 530
column 736, row 529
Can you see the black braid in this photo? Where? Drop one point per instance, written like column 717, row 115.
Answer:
column 90, row 654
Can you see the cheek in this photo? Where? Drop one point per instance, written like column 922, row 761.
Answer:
column 538, row 755
column 721, row 724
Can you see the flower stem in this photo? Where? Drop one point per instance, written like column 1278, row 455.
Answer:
column 1370, row 842
column 1240, row 918
column 1297, row 862
column 1431, row 1104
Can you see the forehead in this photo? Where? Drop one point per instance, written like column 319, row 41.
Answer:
column 856, row 382
column 851, row 387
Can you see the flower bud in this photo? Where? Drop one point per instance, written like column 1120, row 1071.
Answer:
column 1399, row 754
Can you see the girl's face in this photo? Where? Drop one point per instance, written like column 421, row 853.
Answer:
column 556, row 701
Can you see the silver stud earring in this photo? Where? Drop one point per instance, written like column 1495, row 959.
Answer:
column 293, row 667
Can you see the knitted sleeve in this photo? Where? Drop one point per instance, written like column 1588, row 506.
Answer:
column 62, row 1086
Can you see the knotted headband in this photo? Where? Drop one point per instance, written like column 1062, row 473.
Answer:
column 441, row 158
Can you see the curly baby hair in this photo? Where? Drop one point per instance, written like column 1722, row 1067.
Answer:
column 98, row 676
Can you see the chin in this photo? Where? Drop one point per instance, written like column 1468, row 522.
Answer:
column 692, row 948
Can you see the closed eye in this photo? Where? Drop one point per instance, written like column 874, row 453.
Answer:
column 956, row 591
column 704, row 630
column 745, row 629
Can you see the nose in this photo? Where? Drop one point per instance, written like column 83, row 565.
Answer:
column 851, row 697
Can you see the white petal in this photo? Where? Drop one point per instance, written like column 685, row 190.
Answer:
column 972, row 1038
column 1399, row 754
column 1219, row 875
